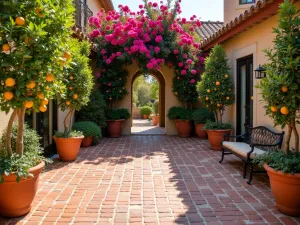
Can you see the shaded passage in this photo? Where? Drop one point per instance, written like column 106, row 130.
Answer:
column 145, row 127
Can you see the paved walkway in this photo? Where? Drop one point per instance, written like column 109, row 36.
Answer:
column 145, row 127
column 151, row 180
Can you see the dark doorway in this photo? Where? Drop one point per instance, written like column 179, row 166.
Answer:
column 244, row 94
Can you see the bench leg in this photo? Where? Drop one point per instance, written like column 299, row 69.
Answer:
column 251, row 172
column 223, row 153
column 245, row 169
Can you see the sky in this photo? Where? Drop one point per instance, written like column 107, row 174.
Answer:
column 204, row 9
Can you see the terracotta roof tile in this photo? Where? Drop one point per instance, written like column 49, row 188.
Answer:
column 107, row 4
column 208, row 28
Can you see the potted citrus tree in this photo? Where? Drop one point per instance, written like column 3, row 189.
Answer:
column 182, row 117
column 280, row 91
column 115, row 119
column 146, row 112
column 79, row 83
column 216, row 92
column 200, row 117
column 90, row 130
column 155, row 117
column 32, row 41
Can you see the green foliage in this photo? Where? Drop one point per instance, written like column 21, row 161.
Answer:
column 117, row 114
column 278, row 160
column 146, row 110
column 216, row 87
column 36, row 48
column 210, row 125
column 180, row 113
column 69, row 134
column 155, row 107
column 145, row 88
column 283, row 70
column 154, row 92
column 16, row 164
column 89, row 129
column 201, row 116
column 94, row 111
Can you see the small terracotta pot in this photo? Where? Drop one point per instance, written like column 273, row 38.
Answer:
column 155, row 120
column 145, row 116
column 184, row 128
column 16, row 198
column 200, row 132
column 68, row 148
column 87, row 142
column 114, row 128
column 286, row 190
column 215, row 138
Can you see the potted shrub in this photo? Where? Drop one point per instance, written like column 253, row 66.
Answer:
column 280, row 91
column 79, row 83
column 182, row 117
column 145, row 112
column 155, row 117
column 216, row 92
column 115, row 119
column 200, row 117
column 90, row 132
column 28, row 65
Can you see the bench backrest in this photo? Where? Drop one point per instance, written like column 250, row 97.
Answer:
column 262, row 135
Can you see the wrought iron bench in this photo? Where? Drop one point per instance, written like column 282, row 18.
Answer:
column 254, row 142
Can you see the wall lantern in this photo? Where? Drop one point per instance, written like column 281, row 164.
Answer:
column 260, row 72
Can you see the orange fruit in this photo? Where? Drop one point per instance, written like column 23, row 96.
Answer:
column 43, row 108
column 49, row 77
column 75, row 96
column 27, row 40
column 207, row 98
column 274, row 108
column 44, row 101
column 6, row 47
column 219, row 105
column 67, row 55
column 208, row 90
column 218, row 83
column 110, row 98
column 176, row 93
column 70, row 88
column 40, row 95
column 226, row 76
column 28, row 104
column 71, row 77
column 31, row 84
column 10, row 82
column 38, row 12
column 8, row 95
column 284, row 110
column 68, row 102
column 284, row 89
column 227, row 98
column 20, row 21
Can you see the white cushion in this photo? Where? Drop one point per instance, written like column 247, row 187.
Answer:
column 241, row 148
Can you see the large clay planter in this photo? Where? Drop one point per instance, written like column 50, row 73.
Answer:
column 146, row 116
column 200, row 132
column 16, row 198
column 68, row 148
column 215, row 138
column 114, row 128
column 184, row 128
column 155, row 120
column 87, row 142
column 286, row 190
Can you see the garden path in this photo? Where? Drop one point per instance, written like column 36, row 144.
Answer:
column 145, row 127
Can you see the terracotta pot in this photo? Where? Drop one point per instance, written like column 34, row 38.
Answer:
column 114, row 128
column 200, row 132
column 184, row 128
column 16, row 198
column 68, row 148
column 215, row 138
column 145, row 116
column 87, row 142
column 155, row 120
column 285, row 188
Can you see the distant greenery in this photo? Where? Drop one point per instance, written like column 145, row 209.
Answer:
column 146, row 110
column 201, row 116
column 144, row 90
column 180, row 113
column 210, row 125
column 117, row 114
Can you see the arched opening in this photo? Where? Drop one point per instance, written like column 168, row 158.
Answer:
column 138, row 126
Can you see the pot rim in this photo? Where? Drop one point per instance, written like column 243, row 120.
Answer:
column 120, row 120
column 182, row 120
column 279, row 172
column 219, row 130
column 69, row 138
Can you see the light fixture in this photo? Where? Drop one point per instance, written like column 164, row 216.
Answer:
column 260, row 72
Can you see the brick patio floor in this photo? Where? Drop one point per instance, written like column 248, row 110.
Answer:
column 151, row 180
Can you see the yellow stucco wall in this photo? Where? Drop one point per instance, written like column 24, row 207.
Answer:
column 232, row 9
column 252, row 42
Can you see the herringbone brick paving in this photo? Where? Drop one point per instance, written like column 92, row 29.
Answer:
column 151, row 180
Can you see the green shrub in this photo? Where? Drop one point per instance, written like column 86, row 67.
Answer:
column 89, row 129
column 278, row 160
column 94, row 111
column 180, row 113
column 211, row 125
column 201, row 116
column 117, row 114
column 146, row 110
column 19, row 165
column 70, row 134
column 155, row 107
